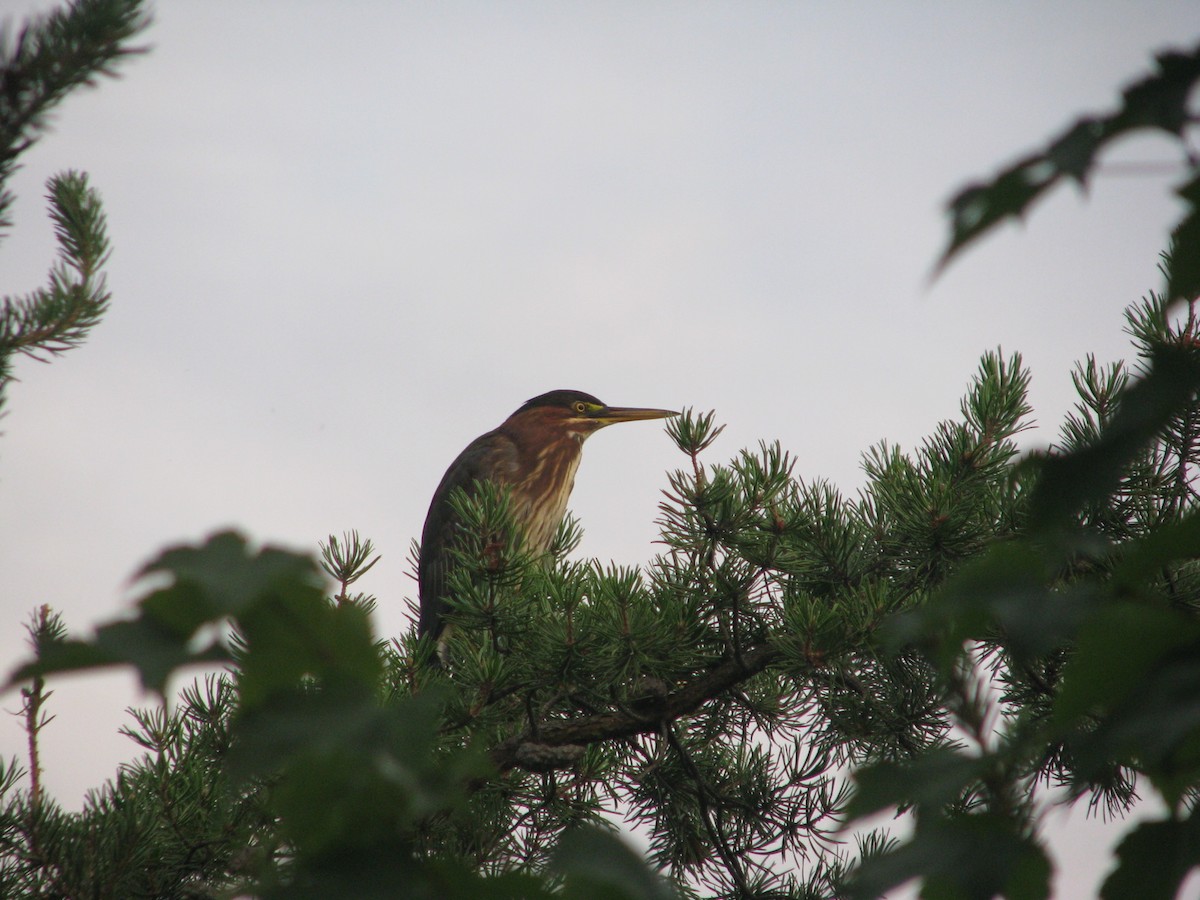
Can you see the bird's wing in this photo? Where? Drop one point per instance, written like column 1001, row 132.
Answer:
column 491, row 457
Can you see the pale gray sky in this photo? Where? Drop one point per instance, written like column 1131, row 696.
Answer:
column 350, row 237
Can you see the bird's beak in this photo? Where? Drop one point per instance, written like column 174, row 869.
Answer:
column 610, row 415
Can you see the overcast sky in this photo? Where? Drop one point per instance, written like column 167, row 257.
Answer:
column 350, row 237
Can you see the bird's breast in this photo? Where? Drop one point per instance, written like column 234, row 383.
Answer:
column 540, row 499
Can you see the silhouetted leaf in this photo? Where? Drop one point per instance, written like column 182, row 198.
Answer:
column 291, row 635
column 272, row 596
column 598, row 865
column 962, row 856
column 1005, row 594
column 223, row 576
column 1070, row 481
column 1118, row 647
column 63, row 656
column 1156, row 726
column 1142, row 559
column 1075, row 151
column 156, row 652
column 1153, row 860
column 1158, row 102
column 350, row 771
column 1183, row 262
column 933, row 780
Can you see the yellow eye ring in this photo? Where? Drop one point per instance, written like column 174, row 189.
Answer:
column 580, row 407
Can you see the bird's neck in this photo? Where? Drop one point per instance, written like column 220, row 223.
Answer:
column 541, row 495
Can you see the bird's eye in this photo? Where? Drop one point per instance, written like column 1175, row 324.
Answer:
column 580, row 407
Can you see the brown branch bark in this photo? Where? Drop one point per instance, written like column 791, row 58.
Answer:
column 535, row 751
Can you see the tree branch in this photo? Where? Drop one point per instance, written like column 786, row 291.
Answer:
column 516, row 751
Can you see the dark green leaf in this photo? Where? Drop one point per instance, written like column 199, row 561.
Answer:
column 350, row 771
column 1070, row 481
column 960, row 857
column 979, row 207
column 63, row 656
column 295, row 634
column 154, row 651
column 1118, row 647
column 1143, row 559
column 1158, row 101
column 1157, row 725
column 1003, row 594
column 1074, row 152
column 1183, row 261
column 597, row 865
column 1161, row 99
column 935, row 779
column 228, row 577
column 1153, row 860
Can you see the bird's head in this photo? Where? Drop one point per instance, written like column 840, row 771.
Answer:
column 576, row 414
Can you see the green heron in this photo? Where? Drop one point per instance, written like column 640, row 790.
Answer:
column 534, row 455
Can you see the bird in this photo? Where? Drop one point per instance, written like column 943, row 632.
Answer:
column 534, row 455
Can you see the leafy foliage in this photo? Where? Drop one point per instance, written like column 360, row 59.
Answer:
column 1157, row 103
column 1068, row 653
column 1079, row 637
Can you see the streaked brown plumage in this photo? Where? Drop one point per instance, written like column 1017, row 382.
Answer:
column 534, row 454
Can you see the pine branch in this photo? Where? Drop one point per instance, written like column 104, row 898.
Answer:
column 45, row 628
column 512, row 752
column 51, row 320
column 346, row 562
column 53, row 55
column 55, row 319
column 719, row 840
